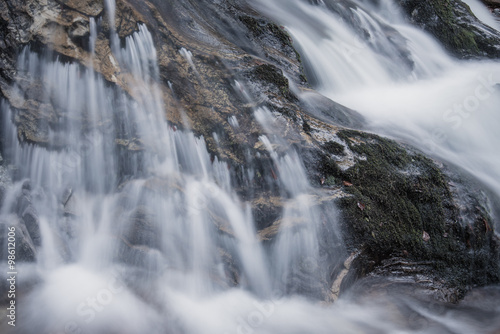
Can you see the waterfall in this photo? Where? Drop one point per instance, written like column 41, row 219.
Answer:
column 115, row 190
column 296, row 255
column 134, row 227
column 110, row 6
column 482, row 13
column 417, row 93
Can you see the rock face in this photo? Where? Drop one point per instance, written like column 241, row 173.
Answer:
column 492, row 3
column 400, row 213
column 452, row 22
column 404, row 214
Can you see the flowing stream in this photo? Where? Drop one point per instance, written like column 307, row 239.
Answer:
column 141, row 231
column 367, row 58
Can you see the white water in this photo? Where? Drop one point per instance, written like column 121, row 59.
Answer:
column 94, row 273
column 296, row 252
column 88, row 237
column 483, row 13
column 138, row 226
column 447, row 108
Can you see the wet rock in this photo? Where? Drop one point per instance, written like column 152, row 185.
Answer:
column 306, row 279
column 273, row 75
column 24, row 246
column 342, row 276
column 5, row 181
column 231, row 271
column 26, row 187
column 79, row 32
column 452, row 22
column 329, row 111
column 87, row 7
column 484, row 298
column 143, row 230
column 70, row 206
column 401, row 203
column 266, row 211
column 23, row 203
column 66, row 196
column 28, row 214
column 492, row 3
column 2, row 194
column 30, row 220
column 138, row 256
column 240, row 61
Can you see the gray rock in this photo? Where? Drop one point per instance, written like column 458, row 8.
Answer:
column 452, row 22
column 25, row 249
column 30, row 220
column 139, row 256
column 143, row 230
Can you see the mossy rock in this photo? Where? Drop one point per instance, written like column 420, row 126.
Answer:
column 400, row 204
column 260, row 27
column 453, row 23
column 273, row 75
column 334, row 148
column 280, row 34
column 453, row 36
column 252, row 24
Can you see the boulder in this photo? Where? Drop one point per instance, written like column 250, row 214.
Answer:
column 24, row 246
column 455, row 26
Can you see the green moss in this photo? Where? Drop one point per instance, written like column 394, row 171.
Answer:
column 465, row 40
column 399, row 205
column 252, row 24
column 334, row 148
column 274, row 75
column 280, row 34
column 330, row 181
column 259, row 27
column 395, row 197
column 453, row 33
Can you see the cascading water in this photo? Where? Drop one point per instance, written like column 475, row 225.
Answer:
column 297, row 257
column 364, row 56
column 92, row 233
column 141, row 231
column 119, row 197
